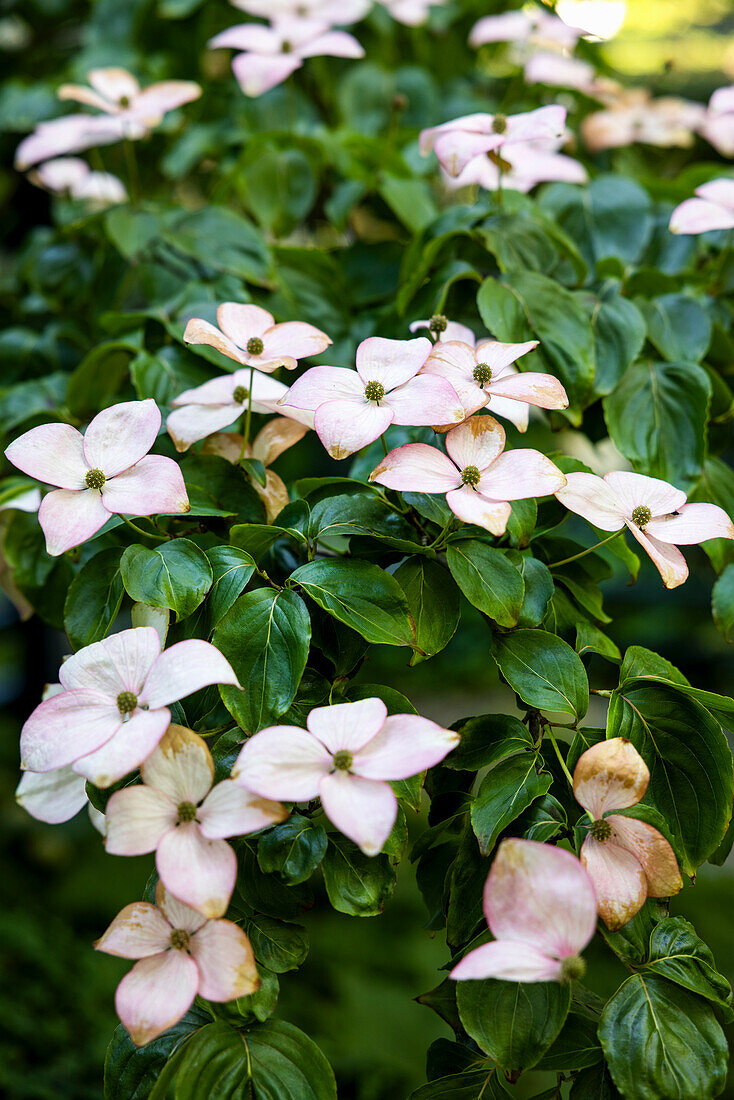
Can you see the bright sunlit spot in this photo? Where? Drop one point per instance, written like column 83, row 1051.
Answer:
column 600, row 18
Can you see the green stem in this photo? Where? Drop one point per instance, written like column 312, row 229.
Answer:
column 583, row 553
column 146, row 534
column 561, row 761
column 385, row 447
column 248, row 414
column 133, row 178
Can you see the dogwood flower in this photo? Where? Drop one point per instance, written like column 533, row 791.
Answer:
column 73, row 176
column 177, row 813
column 69, row 134
column 536, row 27
column 633, row 116
column 114, row 707
column 347, row 756
column 107, row 471
column 461, row 140
column 477, row 478
column 712, row 209
column 525, row 166
column 412, row 13
column 200, row 412
column 54, row 796
column 250, row 336
column 718, row 123
column 655, row 512
column 627, row 860
column 557, row 70
column 353, row 408
column 271, row 54
column 181, row 954
column 338, row 13
column 540, row 907
column 483, row 376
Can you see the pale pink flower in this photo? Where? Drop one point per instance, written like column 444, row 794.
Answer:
column 181, row 954
column 23, row 500
column 113, row 710
column 718, row 123
column 54, row 796
column 712, row 209
column 117, row 93
column 250, row 336
column 353, row 408
column 477, row 478
column 73, row 176
column 271, row 54
column 177, row 813
column 633, row 116
column 107, row 471
column 529, row 164
column 558, row 70
column 338, row 13
column 484, row 377
column 347, row 757
column 69, row 134
column 412, row 13
column 540, row 907
column 655, row 512
column 626, row 859
column 536, row 27
column 458, row 142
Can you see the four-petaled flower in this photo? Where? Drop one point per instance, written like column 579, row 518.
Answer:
column 354, row 408
column 713, row 208
column 72, row 176
column 250, row 336
column 114, row 707
column 181, row 954
column 524, row 166
column 540, row 907
column 410, row 12
column 655, row 512
column 347, row 757
column 718, row 124
column 177, row 813
column 461, row 140
column 337, row 12
column 477, row 478
column 106, row 471
column 536, row 27
column 628, row 860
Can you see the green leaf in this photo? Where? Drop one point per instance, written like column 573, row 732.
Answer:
column 538, row 584
column 217, row 488
column 508, row 789
column 577, row 1047
column 594, row 1084
column 487, row 739
column 657, row 418
column 722, row 603
column 221, row 239
column 589, row 639
column 279, row 186
column 410, row 200
column 94, row 599
column 278, row 945
column 612, row 216
column 619, row 334
column 662, row 1041
column 166, row 373
column 266, row 637
column 717, row 487
column 433, row 602
column 469, row 1085
column 544, row 671
column 356, row 884
column 293, row 849
column 678, row 326
column 98, row 379
column 130, row 1072
column 361, row 595
column 678, row 954
column 488, row 580
column 232, row 570
column 513, row 1022
column 176, row 575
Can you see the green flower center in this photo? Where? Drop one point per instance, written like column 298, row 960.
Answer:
column 470, row 475
column 600, row 830
column 438, row 323
column 255, row 346
column 240, row 395
column 572, row 969
column 499, row 125
column 641, row 515
column 124, row 101
column 482, row 374
column 126, row 702
column 374, row 391
column 342, row 760
column 179, row 939
column 94, row 479
column 186, row 811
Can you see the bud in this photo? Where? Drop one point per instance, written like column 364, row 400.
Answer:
column 499, row 124
column 438, row 323
column 573, row 969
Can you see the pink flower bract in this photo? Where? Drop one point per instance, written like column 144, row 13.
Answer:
column 250, row 336
column 458, row 142
column 713, row 208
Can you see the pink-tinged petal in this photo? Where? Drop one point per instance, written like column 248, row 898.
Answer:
column 181, row 766
column 278, row 436
column 137, row 818
column 320, row 384
column 138, row 931
column 126, row 749
column 508, row 960
column 101, row 188
column 405, row 745
column 242, row 322
column 634, row 489
column 456, row 355
column 68, row 517
column 667, row 559
column 332, row 44
column 456, row 148
column 454, row 332
column 391, row 362
column 156, row 994
column 619, row 881
column 722, row 100
column 700, row 216
column 191, row 423
column 258, row 73
column 247, row 36
column 114, row 83
column 719, row 131
column 66, row 727
column 517, row 475
column 202, row 332
column 540, row 895
column 542, row 124
column 347, row 727
column 199, row 872
column 184, row 668
column 52, row 797
column 471, row 395
column 517, row 412
column 225, row 960
column 364, row 810
column 294, row 340
column 157, row 99
column 230, row 810
column 70, row 134
column 693, row 523
column 593, row 498
column 119, row 436
column 427, row 400
column 53, row 453
column 545, row 67
column 78, row 93
column 417, row 468
column 478, row 442
column 480, row 123
column 177, row 913
column 118, row 663
column 718, row 191
column 472, row 507
column 535, row 389
column 510, row 26
column 282, row 762
column 610, row 776
column 346, row 426
column 215, row 392
column 154, row 486
column 651, row 850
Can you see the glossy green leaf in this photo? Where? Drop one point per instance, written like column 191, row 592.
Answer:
column 678, row 326
column 433, row 601
column 487, row 739
column 293, row 849
column 232, row 570
column 513, row 1022
column 362, row 596
column 94, row 599
column 278, row 945
column 488, row 580
column 175, row 574
column 544, row 671
column 508, row 789
column 678, row 954
column 356, row 884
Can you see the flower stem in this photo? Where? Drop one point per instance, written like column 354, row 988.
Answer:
column 384, row 445
column 248, row 414
column 561, row 761
column 583, row 553
column 133, row 177
column 146, row 534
